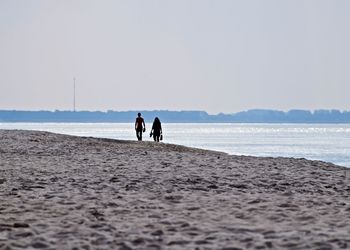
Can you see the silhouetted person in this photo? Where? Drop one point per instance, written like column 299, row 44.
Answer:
column 139, row 126
column 157, row 130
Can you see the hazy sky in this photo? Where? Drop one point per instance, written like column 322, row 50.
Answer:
column 212, row 55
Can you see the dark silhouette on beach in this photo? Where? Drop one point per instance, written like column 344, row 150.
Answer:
column 157, row 130
column 140, row 126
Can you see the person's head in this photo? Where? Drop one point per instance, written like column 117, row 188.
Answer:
column 156, row 119
column 139, row 114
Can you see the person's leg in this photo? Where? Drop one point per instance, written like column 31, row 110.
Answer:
column 156, row 135
column 139, row 134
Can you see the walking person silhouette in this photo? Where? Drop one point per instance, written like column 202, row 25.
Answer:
column 157, row 130
column 140, row 126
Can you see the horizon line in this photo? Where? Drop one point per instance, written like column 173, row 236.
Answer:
column 184, row 110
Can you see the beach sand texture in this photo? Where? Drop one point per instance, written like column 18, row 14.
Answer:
column 66, row 192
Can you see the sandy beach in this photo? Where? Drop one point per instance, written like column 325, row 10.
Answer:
column 66, row 192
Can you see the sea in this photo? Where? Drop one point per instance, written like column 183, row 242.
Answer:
column 325, row 142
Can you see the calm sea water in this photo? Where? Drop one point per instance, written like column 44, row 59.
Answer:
column 326, row 142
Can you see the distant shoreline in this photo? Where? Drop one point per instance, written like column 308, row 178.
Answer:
column 199, row 122
column 250, row 116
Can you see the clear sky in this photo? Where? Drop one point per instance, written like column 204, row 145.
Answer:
column 212, row 55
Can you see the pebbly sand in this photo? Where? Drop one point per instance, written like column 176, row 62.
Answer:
column 66, row 192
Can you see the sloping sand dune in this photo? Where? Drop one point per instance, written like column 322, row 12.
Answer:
column 65, row 192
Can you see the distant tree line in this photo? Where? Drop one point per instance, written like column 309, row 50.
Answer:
column 250, row 116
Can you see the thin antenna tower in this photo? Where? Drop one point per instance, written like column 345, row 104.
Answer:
column 74, row 95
